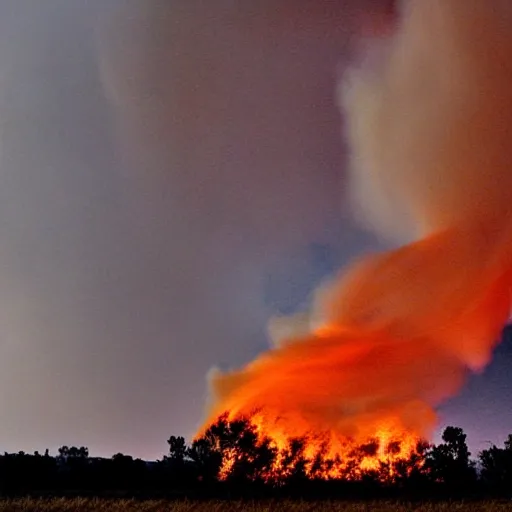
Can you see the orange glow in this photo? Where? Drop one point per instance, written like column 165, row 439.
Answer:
column 348, row 458
column 381, row 377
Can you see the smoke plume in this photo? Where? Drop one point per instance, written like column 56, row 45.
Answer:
column 428, row 122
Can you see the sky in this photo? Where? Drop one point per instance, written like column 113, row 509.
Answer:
column 171, row 176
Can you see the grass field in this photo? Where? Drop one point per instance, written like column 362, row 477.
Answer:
column 78, row 505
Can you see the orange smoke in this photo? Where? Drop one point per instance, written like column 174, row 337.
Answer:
column 430, row 132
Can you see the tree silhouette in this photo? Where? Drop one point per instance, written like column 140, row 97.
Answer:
column 236, row 448
column 207, row 458
column 73, row 454
column 449, row 462
column 177, row 449
column 496, row 468
column 294, row 462
column 233, row 459
column 240, row 444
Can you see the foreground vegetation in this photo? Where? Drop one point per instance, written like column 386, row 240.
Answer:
column 97, row 505
column 256, row 471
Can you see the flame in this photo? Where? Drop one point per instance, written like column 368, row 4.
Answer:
column 327, row 455
column 342, row 451
column 397, row 332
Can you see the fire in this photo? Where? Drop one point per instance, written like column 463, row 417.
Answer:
column 386, row 446
column 288, row 394
column 397, row 333
column 327, row 455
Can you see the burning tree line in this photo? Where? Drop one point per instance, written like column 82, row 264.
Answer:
column 238, row 449
column 232, row 459
column 236, row 454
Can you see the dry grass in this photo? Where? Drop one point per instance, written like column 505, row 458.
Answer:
column 95, row 505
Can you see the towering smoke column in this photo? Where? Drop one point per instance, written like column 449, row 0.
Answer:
column 429, row 127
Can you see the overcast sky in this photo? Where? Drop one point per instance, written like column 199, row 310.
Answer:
column 171, row 175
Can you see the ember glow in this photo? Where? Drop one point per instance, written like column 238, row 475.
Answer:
column 396, row 333
column 328, row 455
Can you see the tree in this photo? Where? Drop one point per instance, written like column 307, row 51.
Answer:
column 73, row 464
column 411, row 473
column 449, row 463
column 175, row 465
column 294, row 462
column 496, row 467
column 207, row 458
column 236, row 447
column 73, row 453
column 177, row 450
column 455, row 443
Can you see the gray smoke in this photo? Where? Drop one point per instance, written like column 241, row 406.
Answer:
column 169, row 179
